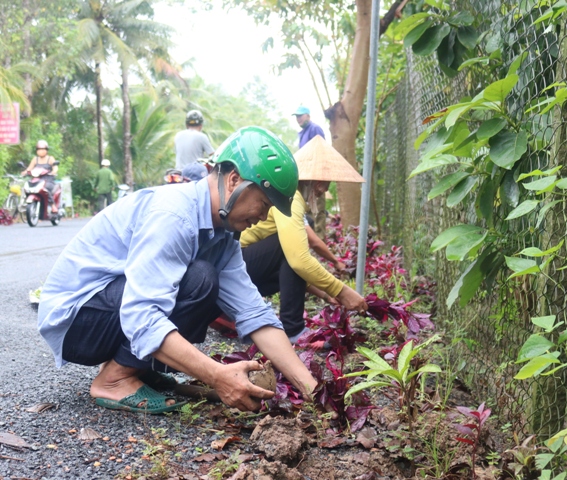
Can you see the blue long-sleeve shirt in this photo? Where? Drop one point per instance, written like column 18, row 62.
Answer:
column 308, row 132
column 151, row 237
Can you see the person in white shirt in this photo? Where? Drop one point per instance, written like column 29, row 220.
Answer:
column 191, row 143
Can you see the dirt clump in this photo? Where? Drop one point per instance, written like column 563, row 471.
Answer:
column 280, row 439
column 266, row 471
column 265, row 378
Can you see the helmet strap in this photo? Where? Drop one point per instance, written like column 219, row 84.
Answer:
column 225, row 209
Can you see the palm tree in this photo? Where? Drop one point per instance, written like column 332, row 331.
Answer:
column 123, row 29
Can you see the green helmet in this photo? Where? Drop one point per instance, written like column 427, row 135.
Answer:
column 263, row 159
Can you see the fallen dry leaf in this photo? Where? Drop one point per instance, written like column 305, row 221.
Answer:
column 332, row 442
column 366, row 437
column 206, row 457
column 220, row 444
column 13, row 440
column 41, row 407
column 88, row 434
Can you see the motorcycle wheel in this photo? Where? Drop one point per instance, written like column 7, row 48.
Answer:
column 11, row 204
column 32, row 213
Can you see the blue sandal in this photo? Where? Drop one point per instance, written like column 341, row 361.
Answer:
column 155, row 402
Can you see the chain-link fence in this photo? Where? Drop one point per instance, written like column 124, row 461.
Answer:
column 488, row 333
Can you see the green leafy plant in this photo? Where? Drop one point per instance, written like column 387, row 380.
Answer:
column 225, row 466
column 188, row 413
column 542, row 349
column 404, row 377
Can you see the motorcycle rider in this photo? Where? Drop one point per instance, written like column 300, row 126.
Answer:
column 43, row 160
column 191, row 143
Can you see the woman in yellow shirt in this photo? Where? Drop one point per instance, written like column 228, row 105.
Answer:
column 276, row 251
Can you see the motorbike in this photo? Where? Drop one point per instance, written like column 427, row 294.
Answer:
column 37, row 207
column 123, row 190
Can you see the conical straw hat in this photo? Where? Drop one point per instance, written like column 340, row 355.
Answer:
column 317, row 160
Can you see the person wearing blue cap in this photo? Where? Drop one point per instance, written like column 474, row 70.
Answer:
column 195, row 171
column 308, row 131
column 308, row 128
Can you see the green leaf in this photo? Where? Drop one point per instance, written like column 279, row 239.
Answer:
column 536, row 365
column 373, row 356
column 517, row 63
column 510, row 190
column 546, row 322
column 534, row 346
column 524, row 208
column 436, row 162
column 469, row 282
column 461, row 18
column 537, row 172
column 404, row 357
column 447, row 236
column 408, row 24
column 484, row 203
column 461, row 191
column 473, row 61
column 459, row 248
column 490, row 128
column 364, row 385
column 430, row 39
column 468, row 36
column 499, row 90
column 562, row 184
column 413, row 35
column 455, row 114
column 506, row 148
column 536, row 252
column 542, row 185
column 544, row 210
column 446, row 183
column 521, row 266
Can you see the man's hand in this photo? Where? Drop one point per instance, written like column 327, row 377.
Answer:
column 351, row 300
column 234, row 389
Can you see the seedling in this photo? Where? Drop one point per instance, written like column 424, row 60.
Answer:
column 472, row 430
column 404, row 378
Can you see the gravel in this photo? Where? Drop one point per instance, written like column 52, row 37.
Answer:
column 29, row 377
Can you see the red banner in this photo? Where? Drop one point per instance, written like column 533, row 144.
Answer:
column 10, row 124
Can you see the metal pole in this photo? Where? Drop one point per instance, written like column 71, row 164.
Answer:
column 368, row 146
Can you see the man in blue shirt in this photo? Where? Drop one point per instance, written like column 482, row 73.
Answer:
column 143, row 279
column 308, row 131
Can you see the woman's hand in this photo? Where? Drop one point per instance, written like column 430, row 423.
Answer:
column 352, row 300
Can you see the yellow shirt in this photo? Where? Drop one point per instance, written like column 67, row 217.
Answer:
column 293, row 239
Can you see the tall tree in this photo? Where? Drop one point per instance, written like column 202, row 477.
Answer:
column 123, row 29
column 327, row 24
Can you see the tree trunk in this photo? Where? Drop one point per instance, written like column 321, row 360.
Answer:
column 126, row 129
column 345, row 115
column 98, row 94
column 27, row 52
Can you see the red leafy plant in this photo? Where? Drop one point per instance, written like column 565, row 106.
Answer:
column 331, row 328
column 399, row 313
column 328, row 396
column 472, row 431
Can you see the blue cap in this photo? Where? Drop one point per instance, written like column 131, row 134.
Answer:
column 301, row 110
column 194, row 171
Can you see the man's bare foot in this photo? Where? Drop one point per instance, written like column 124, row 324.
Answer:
column 114, row 382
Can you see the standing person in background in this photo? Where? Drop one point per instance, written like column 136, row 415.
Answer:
column 192, row 144
column 308, row 131
column 104, row 184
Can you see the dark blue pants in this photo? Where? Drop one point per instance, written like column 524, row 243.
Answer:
column 270, row 272
column 96, row 335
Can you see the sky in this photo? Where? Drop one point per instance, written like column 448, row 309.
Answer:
column 227, row 48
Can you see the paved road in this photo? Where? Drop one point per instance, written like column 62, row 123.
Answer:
column 27, row 254
column 28, row 377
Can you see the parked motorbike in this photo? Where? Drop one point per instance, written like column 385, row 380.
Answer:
column 123, row 190
column 37, row 206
